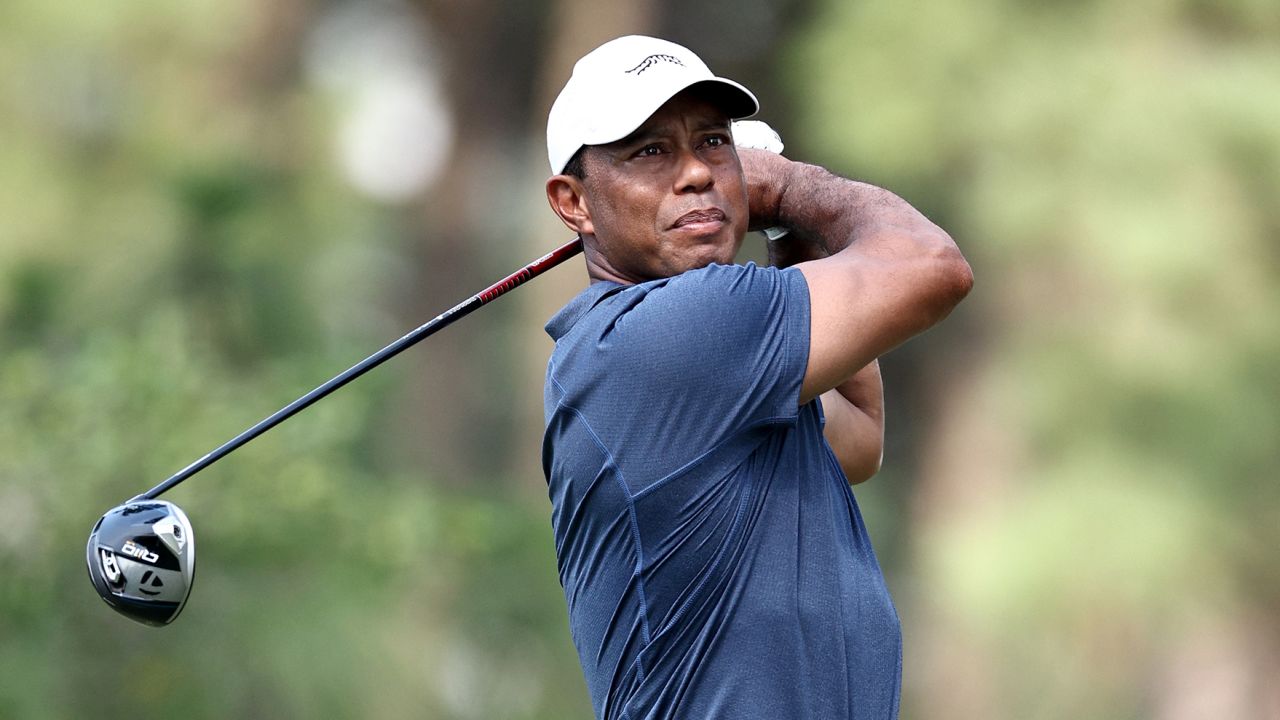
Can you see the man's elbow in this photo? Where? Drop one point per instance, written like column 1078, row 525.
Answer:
column 960, row 275
column 863, row 465
column 953, row 277
column 862, row 472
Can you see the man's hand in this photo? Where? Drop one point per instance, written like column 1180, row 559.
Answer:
column 767, row 175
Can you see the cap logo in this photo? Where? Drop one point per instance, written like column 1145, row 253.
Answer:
column 652, row 60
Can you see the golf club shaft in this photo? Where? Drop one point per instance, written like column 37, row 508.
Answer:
column 512, row 281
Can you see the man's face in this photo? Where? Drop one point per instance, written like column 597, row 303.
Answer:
column 671, row 196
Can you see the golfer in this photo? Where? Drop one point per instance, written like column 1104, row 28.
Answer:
column 704, row 419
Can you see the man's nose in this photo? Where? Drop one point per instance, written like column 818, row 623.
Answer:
column 694, row 174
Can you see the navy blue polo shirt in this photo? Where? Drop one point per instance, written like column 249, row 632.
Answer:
column 713, row 558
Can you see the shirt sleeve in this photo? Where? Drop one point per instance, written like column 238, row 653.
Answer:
column 704, row 356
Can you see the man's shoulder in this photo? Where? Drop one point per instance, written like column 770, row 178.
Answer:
column 700, row 321
column 718, row 295
column 705, row 288
column 714, row 293
column 721, row 275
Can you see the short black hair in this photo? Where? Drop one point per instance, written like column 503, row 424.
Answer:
column 575, row 167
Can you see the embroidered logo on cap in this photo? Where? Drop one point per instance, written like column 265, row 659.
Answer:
column 652, row 60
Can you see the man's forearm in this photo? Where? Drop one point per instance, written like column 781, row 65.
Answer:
column 829, row 213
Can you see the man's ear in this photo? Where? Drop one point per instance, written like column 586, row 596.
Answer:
column 568, row 199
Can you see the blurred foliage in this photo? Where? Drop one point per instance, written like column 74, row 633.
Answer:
column 1078, row 511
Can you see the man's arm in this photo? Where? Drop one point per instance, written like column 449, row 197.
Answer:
column 855, row 423
column 854, row 409
column 890, row 273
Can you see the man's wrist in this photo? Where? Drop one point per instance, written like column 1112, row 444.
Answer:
column 767, row 176
column 792, row 249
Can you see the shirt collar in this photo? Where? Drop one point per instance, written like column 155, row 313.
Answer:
column 562, row 322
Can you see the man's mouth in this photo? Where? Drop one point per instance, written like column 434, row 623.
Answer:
column 704, row 216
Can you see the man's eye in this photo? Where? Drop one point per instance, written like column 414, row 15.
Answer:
column 649, row 151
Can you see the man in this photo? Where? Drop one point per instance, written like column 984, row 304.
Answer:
column 704, row 419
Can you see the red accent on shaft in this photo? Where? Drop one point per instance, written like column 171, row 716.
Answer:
column 532, row 270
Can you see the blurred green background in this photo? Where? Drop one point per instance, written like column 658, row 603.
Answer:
column 208, row 208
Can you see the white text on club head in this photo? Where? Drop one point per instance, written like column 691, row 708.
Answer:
column 139, row 552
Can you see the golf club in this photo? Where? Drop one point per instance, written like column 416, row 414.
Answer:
column 141, row 554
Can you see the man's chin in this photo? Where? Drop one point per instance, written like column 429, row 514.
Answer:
column 721, row 246
column 705, row 255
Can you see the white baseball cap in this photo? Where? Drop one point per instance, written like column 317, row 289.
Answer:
column 617, row 86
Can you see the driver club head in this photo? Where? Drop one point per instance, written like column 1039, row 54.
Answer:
column 142, row 558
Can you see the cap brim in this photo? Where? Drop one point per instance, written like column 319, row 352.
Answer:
column 736, row 101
